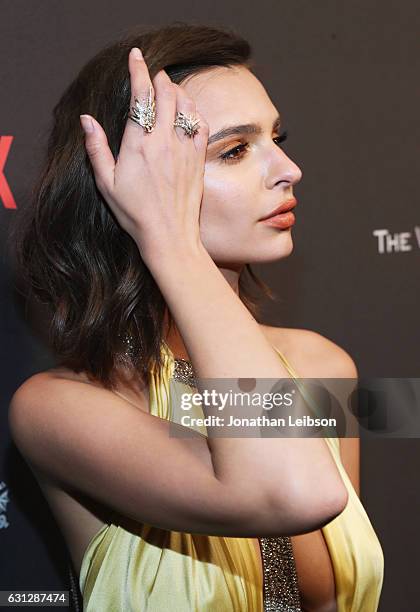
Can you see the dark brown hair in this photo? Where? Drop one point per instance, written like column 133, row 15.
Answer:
column 70, row 250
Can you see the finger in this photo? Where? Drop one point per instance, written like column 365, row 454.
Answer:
column 201, row 138
column 141, row 90
column 100, row 155
column 165, row 103
column 185, row 105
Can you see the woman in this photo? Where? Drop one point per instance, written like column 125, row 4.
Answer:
column 142, row 228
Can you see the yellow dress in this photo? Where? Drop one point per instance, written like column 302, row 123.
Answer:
column 154, row 570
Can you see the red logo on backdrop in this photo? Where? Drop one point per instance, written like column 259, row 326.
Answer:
column 6, row 195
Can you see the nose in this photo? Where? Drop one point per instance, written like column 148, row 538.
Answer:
column 282, row 169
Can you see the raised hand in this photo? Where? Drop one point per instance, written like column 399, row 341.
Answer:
column 156, row 185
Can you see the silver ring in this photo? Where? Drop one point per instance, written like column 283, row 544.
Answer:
column 188, row 123
column 144, row 114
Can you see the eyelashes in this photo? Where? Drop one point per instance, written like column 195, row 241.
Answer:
column 281, row 138
column 236, row 154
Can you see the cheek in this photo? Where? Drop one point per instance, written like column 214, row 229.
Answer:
column 226, row 196
column 227, row 216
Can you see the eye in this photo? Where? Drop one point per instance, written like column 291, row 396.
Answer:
column 234, row 154
column 238, row 152
column 279, row 139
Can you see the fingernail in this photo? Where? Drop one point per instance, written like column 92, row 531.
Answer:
column 137, row 53
column 87, row 123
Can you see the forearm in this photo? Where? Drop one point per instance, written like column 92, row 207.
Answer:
column 223, row 340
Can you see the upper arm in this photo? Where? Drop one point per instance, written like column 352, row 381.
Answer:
column 89, row 440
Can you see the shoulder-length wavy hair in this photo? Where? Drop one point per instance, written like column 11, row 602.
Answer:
column 70, row 251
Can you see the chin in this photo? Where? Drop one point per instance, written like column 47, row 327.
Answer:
column 264, row 251
column 278, row 248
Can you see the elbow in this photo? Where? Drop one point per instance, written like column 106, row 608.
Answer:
column 308, row 509
column 322, row 506
column 334, row 505
column 295, row 512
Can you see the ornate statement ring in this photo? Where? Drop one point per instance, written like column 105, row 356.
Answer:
column 188, row 123
column 144, row 113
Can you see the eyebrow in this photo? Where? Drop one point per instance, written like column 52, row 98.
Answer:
column 247, row 128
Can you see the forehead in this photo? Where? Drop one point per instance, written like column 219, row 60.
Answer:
column 229, row 95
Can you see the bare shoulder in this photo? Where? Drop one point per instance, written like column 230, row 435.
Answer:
column 47, row 382
column 48, row 403
column 31, row 387
column 312, row 354
column 33, row 397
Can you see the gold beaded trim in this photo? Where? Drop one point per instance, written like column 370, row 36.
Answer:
column 183, row 372
column 281, row 590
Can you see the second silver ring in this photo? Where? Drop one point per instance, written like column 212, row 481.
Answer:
column 188, row 123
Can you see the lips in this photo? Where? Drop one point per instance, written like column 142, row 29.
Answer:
column 288, row 205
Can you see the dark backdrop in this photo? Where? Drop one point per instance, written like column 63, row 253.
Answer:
column 344, row 76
